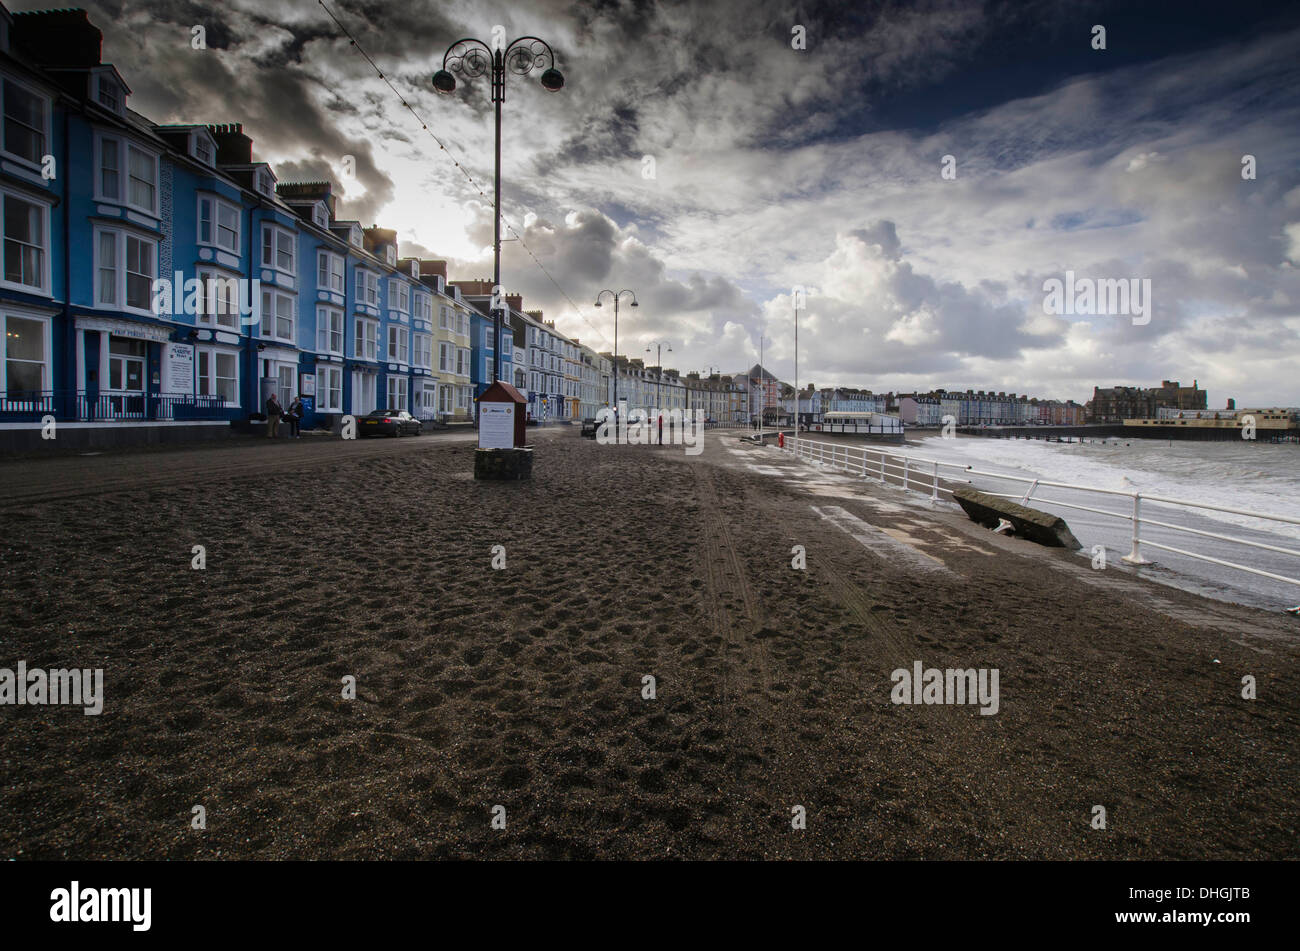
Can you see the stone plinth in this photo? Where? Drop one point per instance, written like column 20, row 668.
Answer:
column 503, row 465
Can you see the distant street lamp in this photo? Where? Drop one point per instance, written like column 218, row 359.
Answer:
column 472, row 58
column 659, row 360
column 616, row 299
column 762, row 383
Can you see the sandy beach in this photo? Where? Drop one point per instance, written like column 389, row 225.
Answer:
column 523, row 687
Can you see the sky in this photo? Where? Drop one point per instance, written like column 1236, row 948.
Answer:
column 699, row 157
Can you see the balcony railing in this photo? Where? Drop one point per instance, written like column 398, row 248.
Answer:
column 108, row 406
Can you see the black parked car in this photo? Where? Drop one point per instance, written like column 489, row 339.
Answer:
column 389, row 422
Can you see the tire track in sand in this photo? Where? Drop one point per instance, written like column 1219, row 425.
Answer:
column 728, row 585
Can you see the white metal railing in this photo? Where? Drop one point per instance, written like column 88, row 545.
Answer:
column 856, row 458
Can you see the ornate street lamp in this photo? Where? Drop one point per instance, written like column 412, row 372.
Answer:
column 616, row 299
column 472, row 58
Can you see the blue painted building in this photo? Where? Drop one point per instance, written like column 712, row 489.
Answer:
column 159, row 279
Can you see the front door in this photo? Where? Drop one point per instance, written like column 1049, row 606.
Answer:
column 126, row 360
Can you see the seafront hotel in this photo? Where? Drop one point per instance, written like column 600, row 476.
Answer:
column 110, row 220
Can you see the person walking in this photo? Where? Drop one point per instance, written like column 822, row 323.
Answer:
column 273, row 413
column 294, row 416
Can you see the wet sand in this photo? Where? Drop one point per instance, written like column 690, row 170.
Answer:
column 523, row 687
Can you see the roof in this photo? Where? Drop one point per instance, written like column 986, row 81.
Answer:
column 501, row 388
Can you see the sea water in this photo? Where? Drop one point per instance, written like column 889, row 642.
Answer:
column 1258, row 477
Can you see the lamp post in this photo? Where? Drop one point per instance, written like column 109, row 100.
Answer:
column 472, row 58
column 616, row 300
column 762, row 383
column 796, row 376
column 659, row 361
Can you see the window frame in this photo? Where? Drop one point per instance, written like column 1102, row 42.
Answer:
column 361, row 323
column 422, row 350
column 331, row 310
column 325, row 256
column 401, row 301
column 212, row 352
column 278, row 231
column 276, row 294
column 101, row 79
column 198, row 142
column 211, row 316
column 367, row 284
column 422, row 305
column 217, row 204
column 47, row 357
column 121, row 281
column 125, row 144
column 399, row 347
column 405, row 394
column 323, row 389
column 46, row 119
column 44, row 288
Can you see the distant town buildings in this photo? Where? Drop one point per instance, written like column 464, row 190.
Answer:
column 1116, row 403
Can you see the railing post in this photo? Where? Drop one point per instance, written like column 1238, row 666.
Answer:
column 1033, row 485
column 1134, row 557
column 906, row 465
column 882, row 468
column 934, row 491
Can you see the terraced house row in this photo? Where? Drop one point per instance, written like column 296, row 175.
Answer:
column 158, row 276
column 160, row 281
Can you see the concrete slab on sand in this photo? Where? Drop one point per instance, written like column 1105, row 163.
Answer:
column 1033, row 524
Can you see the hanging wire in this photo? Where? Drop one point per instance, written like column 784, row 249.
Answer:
column 442, row 146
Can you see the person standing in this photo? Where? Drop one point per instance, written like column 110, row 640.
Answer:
column 273, row 413
column 294, row 416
